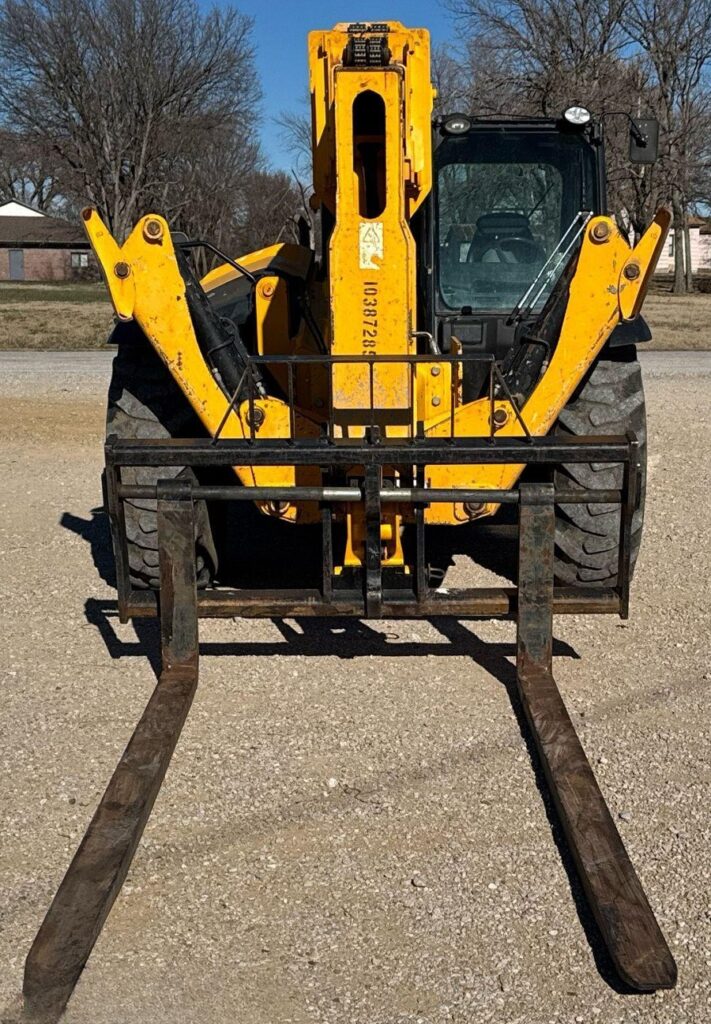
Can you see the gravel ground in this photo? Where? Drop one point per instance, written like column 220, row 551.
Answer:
column 351, row 831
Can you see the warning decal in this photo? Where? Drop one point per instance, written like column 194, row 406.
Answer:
column 370, row 240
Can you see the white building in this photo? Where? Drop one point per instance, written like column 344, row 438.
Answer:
column 700, row 244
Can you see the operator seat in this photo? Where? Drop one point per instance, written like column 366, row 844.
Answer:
column 504, row 237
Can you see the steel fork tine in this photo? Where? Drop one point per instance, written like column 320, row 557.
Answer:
column 94, row 878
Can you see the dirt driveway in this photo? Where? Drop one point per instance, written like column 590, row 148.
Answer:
column 351, row 831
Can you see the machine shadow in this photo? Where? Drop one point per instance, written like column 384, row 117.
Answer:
column 347, row 639
column 280, row 555
column 286, row 556
column 95, row 531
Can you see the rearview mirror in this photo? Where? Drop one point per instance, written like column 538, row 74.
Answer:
column 644, row 140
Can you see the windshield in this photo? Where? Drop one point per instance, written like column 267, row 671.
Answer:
column 505, row 199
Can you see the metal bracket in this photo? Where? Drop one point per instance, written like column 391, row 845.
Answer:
column 373, row 576
column 326, row 553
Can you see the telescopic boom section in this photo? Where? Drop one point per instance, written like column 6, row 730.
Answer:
column 372, row 108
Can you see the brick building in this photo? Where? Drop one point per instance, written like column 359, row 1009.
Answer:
column 37, row 247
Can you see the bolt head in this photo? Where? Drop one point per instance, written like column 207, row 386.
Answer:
column 267, row 290
column 278, row 508
column 632, row 271
column 436, row 400
column 153, row 230
column 600, row 232
column 473, row 508
column 435, row 371
column 122, row 270
column 500, row 417
column 258, row 418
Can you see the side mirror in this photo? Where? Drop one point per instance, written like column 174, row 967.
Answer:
column 644, row 140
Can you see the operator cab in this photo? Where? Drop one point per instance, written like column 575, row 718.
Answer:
column 505, row 195
column 508, row 204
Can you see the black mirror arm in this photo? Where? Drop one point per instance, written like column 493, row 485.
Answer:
column 635, row 131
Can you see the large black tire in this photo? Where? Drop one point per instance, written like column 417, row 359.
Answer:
column 609, row 401
column 145, row 402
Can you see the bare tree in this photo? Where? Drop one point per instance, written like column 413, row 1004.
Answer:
column 542, row 54
column 639, row 57
column 675, row 37
column 273, row 205
column 124, row 91
column 451, row 78
column 295, row 131
column 28, row 172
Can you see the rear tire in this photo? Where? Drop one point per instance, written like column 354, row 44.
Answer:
column 145, row 402
column 609, row 401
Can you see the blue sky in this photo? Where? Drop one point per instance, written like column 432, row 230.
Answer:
column 280, row 29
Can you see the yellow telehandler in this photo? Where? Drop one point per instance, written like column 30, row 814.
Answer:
column 463, row 346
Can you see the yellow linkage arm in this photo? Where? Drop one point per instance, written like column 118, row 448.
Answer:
column 145, row 285
column 609, row 286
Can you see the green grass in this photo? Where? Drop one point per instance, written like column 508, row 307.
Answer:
column 67, row 291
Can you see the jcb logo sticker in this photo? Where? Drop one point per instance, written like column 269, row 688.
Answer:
column 370, row 240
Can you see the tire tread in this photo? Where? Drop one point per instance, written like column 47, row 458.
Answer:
column 145, row 402
column 610, row 401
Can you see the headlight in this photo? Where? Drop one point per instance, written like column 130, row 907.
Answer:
column 577, row 115
column 456, row 124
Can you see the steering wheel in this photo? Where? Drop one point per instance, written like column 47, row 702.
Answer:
column 529, row 251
